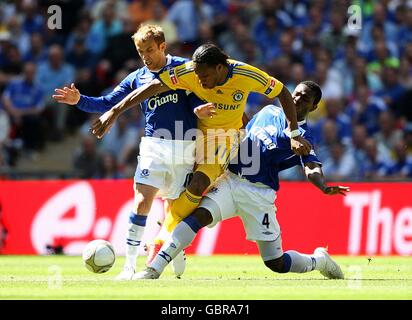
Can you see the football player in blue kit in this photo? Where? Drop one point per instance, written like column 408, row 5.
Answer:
column 167, row 151
column 248, row 190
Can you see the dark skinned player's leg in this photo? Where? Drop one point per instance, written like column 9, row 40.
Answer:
column 182, row 236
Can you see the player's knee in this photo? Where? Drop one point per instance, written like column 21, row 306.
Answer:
column 276, row 265
column 203, row 216
column 199, row 183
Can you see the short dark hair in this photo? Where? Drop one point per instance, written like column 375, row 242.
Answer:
column 210, row 54
column 314, row 89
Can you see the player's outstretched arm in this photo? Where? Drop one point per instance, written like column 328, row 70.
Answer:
column 102, row 125
column 315, row 175
column 300, row 145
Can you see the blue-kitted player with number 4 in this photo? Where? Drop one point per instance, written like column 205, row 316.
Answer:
column 248, row 189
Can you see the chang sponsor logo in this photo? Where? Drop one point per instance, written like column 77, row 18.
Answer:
column 159, row 101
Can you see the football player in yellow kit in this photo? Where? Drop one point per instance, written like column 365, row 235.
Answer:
column 224, row 85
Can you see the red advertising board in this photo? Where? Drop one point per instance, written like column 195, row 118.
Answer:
column 373, row 219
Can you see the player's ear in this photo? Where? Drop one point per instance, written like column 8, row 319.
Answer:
column 162, row 46
column 219, row 68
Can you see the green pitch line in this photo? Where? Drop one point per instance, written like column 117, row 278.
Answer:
column 206, row 278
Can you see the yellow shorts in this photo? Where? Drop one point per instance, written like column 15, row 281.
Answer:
column 215, row 150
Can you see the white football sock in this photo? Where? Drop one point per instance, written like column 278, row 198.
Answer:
column 134, row 237
column 301, row 263
column 180, row 238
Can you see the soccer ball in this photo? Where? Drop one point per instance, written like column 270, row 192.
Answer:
column 98, row 256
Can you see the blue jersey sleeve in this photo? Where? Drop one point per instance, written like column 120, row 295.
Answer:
column 104, row 103
column 311, row 157
column 194, row 101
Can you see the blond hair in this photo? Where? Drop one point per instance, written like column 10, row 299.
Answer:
column 148, row 32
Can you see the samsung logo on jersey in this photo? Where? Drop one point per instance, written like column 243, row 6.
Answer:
column 159, row 101
column 222, row 106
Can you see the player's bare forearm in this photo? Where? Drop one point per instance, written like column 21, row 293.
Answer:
column 289, row 108
column 315, row 175
column 139, row 95
column 102, row 125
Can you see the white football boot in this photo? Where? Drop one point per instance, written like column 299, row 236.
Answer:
column 126, row 274
column 179, row 264
column 148, row 273
column 331, row 269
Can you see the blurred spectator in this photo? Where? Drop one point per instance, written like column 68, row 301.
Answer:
column 37, row 52
column 332, row 38
column 340, row 164
column 379, row 17
column 381, row 57
column 119, row 8
column 18, row 36
column 297, row 75
column 81, row 30
column 80, row 57
column 159, row 18
column 234, row 38
column 329, row 135
column 405, row 73
column 193, row 13
column 86, row 160
column 402, row 167
column 32, row 20
column 388, row 134
column 24, row 101
column 365, row 109
column 122, row 140
column 362, row 76
column 392, row 90
column 13, row 63
column 377, row 165
column 357, row 145
column 141, row 11
column 334, row 108
column 345, row 64
column 108, row 168
column 405, row 30
column 55, row 73
column 107, row 25
column 407, row 136
column 119, row 59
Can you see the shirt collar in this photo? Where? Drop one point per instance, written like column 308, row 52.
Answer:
column 301, row 122
column 168, row 61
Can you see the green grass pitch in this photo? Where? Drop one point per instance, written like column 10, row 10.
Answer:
column 206, row 278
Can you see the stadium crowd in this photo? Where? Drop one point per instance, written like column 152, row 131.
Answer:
column 363, row 126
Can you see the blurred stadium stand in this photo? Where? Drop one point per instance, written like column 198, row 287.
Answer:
column 363, row 126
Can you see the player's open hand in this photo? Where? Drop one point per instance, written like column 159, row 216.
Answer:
column 67, row 95
column 102, row 125
column 332, row 190
column 300, row 146
column 205, row 111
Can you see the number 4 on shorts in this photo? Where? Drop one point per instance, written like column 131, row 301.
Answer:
column 265, row 220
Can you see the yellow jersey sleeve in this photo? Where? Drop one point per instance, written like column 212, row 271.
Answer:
column 259, row 81
column 180, row 77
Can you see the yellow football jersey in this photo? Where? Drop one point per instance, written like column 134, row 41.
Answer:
column 230, row 97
